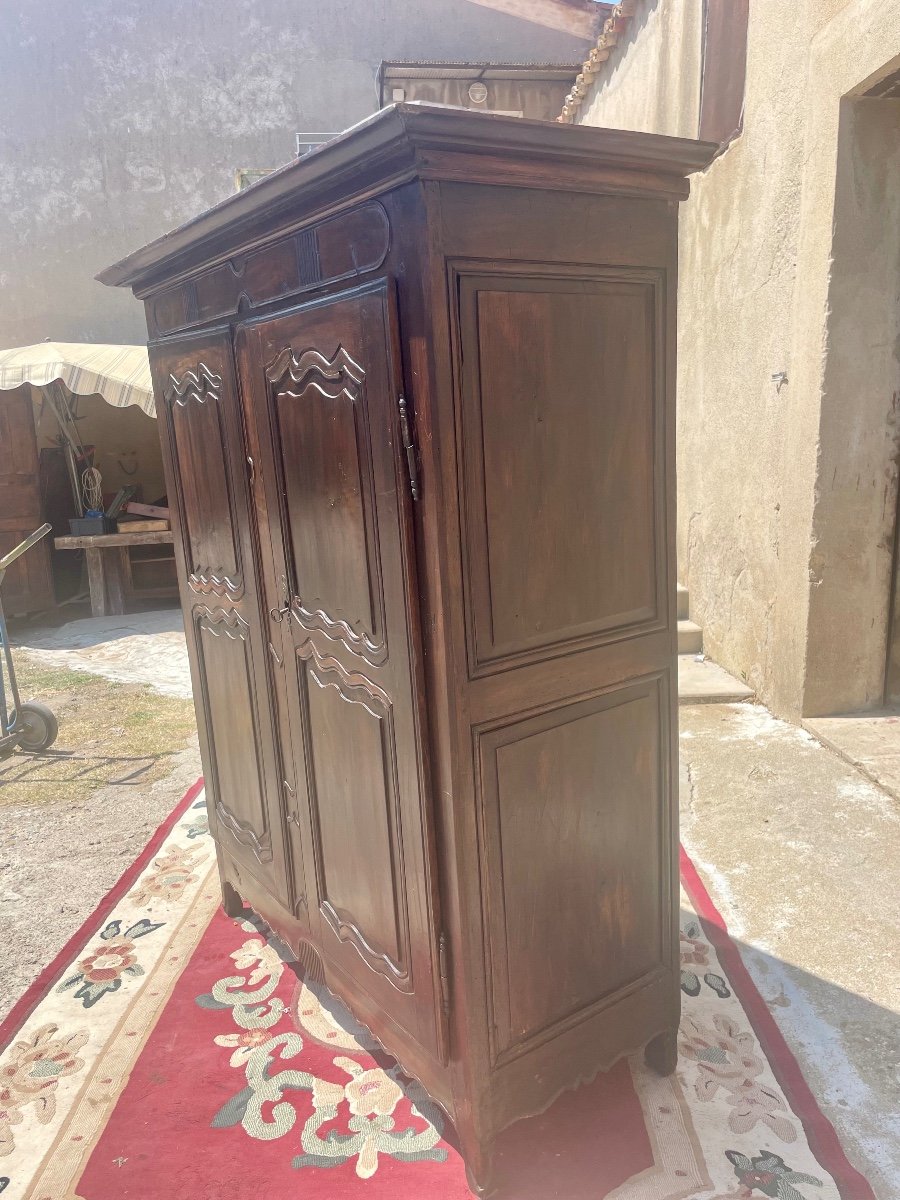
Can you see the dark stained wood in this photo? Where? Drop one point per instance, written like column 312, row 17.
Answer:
column 439, row 732
column 535, row 345
column 322, row 396
column 28, row 585
column 202, row 440
column 340, row 248
column 724, row 69
column 566, row 796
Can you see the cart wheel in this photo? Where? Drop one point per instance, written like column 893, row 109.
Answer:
column 39, row 726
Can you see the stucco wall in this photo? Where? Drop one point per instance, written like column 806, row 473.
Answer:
column 787, row 571
column 123, row 118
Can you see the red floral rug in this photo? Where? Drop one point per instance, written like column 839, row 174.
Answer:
column 171, row 1052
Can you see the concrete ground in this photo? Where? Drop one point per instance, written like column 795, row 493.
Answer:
column 800, row 852
column 701, row 681
column 140, row 647
column 63, row 844
column 870, row 740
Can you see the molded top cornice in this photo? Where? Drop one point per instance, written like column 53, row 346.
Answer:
column 425, row 141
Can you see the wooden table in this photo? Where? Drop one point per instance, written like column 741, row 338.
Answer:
column 108, row 565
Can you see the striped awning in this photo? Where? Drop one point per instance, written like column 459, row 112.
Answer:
column 120, row 374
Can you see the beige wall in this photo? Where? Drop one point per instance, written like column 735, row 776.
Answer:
column 789, row 262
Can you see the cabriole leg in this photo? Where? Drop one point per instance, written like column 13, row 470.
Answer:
column 231, row 900
column 478, row 1157
column 661, row 1055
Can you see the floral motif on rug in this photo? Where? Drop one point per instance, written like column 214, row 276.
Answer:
column 371, row 1113
column 177, row 1046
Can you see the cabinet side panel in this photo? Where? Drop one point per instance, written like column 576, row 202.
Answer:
column 572, row 857
column 557, row 473
column 559, row 440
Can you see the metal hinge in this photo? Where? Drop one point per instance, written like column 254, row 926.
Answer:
column 444, row 972
column 406, row 438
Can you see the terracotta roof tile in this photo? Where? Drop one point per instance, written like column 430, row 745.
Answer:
column 613, row 27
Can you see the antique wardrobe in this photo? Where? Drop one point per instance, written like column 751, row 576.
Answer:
column 415, row 392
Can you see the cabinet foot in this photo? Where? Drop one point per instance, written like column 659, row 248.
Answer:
column 231, row 900
column 478, row 1157
column 661, row 1055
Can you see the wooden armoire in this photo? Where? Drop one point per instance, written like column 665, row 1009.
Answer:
column 415, row 393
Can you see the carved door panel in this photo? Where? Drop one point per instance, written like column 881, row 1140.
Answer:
column 325, row 404
column 208, row 489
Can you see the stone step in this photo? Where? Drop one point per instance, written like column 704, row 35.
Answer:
column 705, row 682
column 690, row 638
column 684, row 602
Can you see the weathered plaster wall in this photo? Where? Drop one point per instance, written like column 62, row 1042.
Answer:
column 123, row 118
column 859, row 434
column 786, row 572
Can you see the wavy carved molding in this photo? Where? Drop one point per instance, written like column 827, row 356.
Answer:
column 223, row 621
column 196, row 385
column 312, row 369
column 344, row 680
column 244, row 833
column 347, row 930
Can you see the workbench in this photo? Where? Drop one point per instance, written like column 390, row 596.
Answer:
column 110, row 567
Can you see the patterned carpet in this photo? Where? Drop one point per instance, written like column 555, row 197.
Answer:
column 171, row 1052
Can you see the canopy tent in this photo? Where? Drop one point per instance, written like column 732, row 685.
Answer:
column 120, row 374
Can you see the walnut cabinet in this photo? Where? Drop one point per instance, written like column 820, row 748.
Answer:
column 415, row 394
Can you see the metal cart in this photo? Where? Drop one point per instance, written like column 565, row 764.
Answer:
column 31, row 726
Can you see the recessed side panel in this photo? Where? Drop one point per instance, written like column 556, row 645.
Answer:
column 319, row 411
column 560, row 436
column 352, row 772
column 572, row 861
column 196, row 428
column 229, row 706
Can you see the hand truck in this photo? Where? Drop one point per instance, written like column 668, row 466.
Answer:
column 31, row 726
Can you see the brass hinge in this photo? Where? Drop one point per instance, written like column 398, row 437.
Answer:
column 444, row 972
column 409, row 448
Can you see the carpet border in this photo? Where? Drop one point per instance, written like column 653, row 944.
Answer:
column 41, row 985
column 820, row 1133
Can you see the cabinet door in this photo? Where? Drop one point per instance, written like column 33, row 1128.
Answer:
column 207, row 480
column 322, row 390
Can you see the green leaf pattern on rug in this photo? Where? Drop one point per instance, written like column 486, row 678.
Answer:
column 264, row 1112
column 768, row 1173
column 109, row 962
column 695, row 956
column 198, row 825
